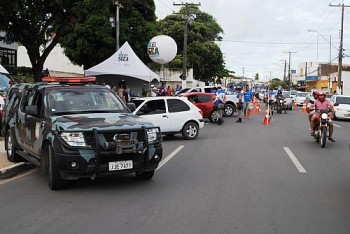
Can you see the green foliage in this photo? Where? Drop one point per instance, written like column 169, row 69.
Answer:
column 275, row 83
column 91, row 40
column 37, row 25
column 203, row 54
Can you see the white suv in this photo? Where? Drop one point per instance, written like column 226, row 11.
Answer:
column 172, row 114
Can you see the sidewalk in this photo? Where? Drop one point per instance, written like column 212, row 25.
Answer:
column 9, row 169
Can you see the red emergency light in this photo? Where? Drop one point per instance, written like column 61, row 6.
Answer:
column 86, row 79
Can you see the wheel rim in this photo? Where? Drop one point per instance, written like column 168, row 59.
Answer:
column 228, row 110
column 9, row 144
column 191, row 131
column 213, row 117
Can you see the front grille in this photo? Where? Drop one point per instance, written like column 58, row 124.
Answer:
column 108, row 137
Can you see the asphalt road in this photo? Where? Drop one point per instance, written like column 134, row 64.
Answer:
column 235, row 178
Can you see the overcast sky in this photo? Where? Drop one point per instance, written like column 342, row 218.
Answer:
column 258, row 32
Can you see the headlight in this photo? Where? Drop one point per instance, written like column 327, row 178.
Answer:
column 324, row 116
column 153, row 135
column 73, row 138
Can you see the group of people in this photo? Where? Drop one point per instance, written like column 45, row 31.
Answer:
column 244, row 97
column 161, row 91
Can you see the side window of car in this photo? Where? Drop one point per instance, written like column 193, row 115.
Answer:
column 204, row 99
column 176, row 105
column 152, row 107
column 26, row 99
column 207, row 90
column 38, row 102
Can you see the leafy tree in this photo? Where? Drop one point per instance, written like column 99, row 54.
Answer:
column 92, row 39
column 38, row 25
column 203, row 30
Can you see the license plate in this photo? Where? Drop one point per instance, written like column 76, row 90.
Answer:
column 120, row 165
column 125, row 142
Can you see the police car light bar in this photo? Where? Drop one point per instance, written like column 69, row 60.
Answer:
column 86, row 79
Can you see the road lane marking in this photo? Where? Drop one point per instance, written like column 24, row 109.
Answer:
column 296, row 162
column 5, row 181
column 337, row 125
column 165, row 160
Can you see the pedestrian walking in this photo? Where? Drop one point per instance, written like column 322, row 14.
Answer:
column 247, row 102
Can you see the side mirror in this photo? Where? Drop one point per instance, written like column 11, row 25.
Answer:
column 31, row 110
column 131, row 106
column 336, row 104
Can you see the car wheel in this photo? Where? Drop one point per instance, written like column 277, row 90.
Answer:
column 145, row 175
column 55, row 180
column 229, row 109
column 212, row 117
column 12, row 156
column 190, row 131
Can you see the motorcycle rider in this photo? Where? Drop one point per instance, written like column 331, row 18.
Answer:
column 322, row 104
column 279, row 97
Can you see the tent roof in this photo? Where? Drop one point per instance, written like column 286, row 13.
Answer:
column 3, row 70
column 124, row 62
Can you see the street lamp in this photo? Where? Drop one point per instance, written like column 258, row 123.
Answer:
column 330, row 51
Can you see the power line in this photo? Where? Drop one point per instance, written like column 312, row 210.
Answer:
column 266, row 43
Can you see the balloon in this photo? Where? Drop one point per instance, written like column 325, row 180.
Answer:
column 162, row 49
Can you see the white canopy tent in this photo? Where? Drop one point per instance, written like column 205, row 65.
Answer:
column 3, row 70
column 124, row 65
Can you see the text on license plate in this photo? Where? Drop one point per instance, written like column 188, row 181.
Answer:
column 120, row 165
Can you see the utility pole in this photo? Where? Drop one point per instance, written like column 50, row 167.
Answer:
column 117, row 7
column 340, row 59
column 285, row 68
column 289, row 71
column 186, row 17
column 243, row 71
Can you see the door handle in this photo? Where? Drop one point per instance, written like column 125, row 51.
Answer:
column 165, row 116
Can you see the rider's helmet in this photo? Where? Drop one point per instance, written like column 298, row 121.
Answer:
column 315, row 94
column 279, row 91
column 321, row 96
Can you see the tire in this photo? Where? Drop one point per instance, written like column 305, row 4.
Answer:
column 12, row 156
column 54, row 178
column 323, row 137
column 212, row 118
column 229, row 110
column 145, row 175
column 190, row 131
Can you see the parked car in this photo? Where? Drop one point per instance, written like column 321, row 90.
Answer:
column 288, row 100
column 201, row 89
column 293, row 94
column 204, row 101
column 341, row 105
column 172, row 114
column 300, row 98
column 74, row 129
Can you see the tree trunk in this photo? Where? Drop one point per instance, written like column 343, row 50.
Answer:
column 38, row 71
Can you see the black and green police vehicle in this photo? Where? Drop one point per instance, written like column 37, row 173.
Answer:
column 73, row 128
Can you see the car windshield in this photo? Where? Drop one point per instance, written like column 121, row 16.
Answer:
column 286, row 94
column 293, row 92
column 343, row 100
column 302, row 94
column 69, row 101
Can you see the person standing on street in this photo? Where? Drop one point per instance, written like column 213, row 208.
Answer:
column 247, row 102
column 219, row 104
column 240, row 98
column 144, row 90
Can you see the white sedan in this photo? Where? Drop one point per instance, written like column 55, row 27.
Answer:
column 300, row 98
column 172, row 114
column 341, row 106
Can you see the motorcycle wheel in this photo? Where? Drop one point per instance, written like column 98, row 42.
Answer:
column 323, row 137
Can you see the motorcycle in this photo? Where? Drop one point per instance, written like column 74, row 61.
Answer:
column 321, row 128
column 280, row 106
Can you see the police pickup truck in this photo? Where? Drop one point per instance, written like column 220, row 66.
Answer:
column 73, row 128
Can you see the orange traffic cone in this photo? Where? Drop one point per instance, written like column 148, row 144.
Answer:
column 295, row 106
column 257, row 109
column 303, row 109
column 252, row 109
column 267, row 120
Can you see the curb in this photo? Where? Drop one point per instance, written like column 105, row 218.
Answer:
column 13, row 170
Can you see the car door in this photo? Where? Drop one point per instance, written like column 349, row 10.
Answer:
column 178, row 112
column 155, row 112
column 206, row 103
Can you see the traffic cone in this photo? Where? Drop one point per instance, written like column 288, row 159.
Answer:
column 303, row 109
column 252, row 109
column 267, row 120
column 257, row 109
column 295, row 106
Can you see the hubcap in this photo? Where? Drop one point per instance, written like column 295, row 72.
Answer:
column 191, row 131
column 228, row 110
